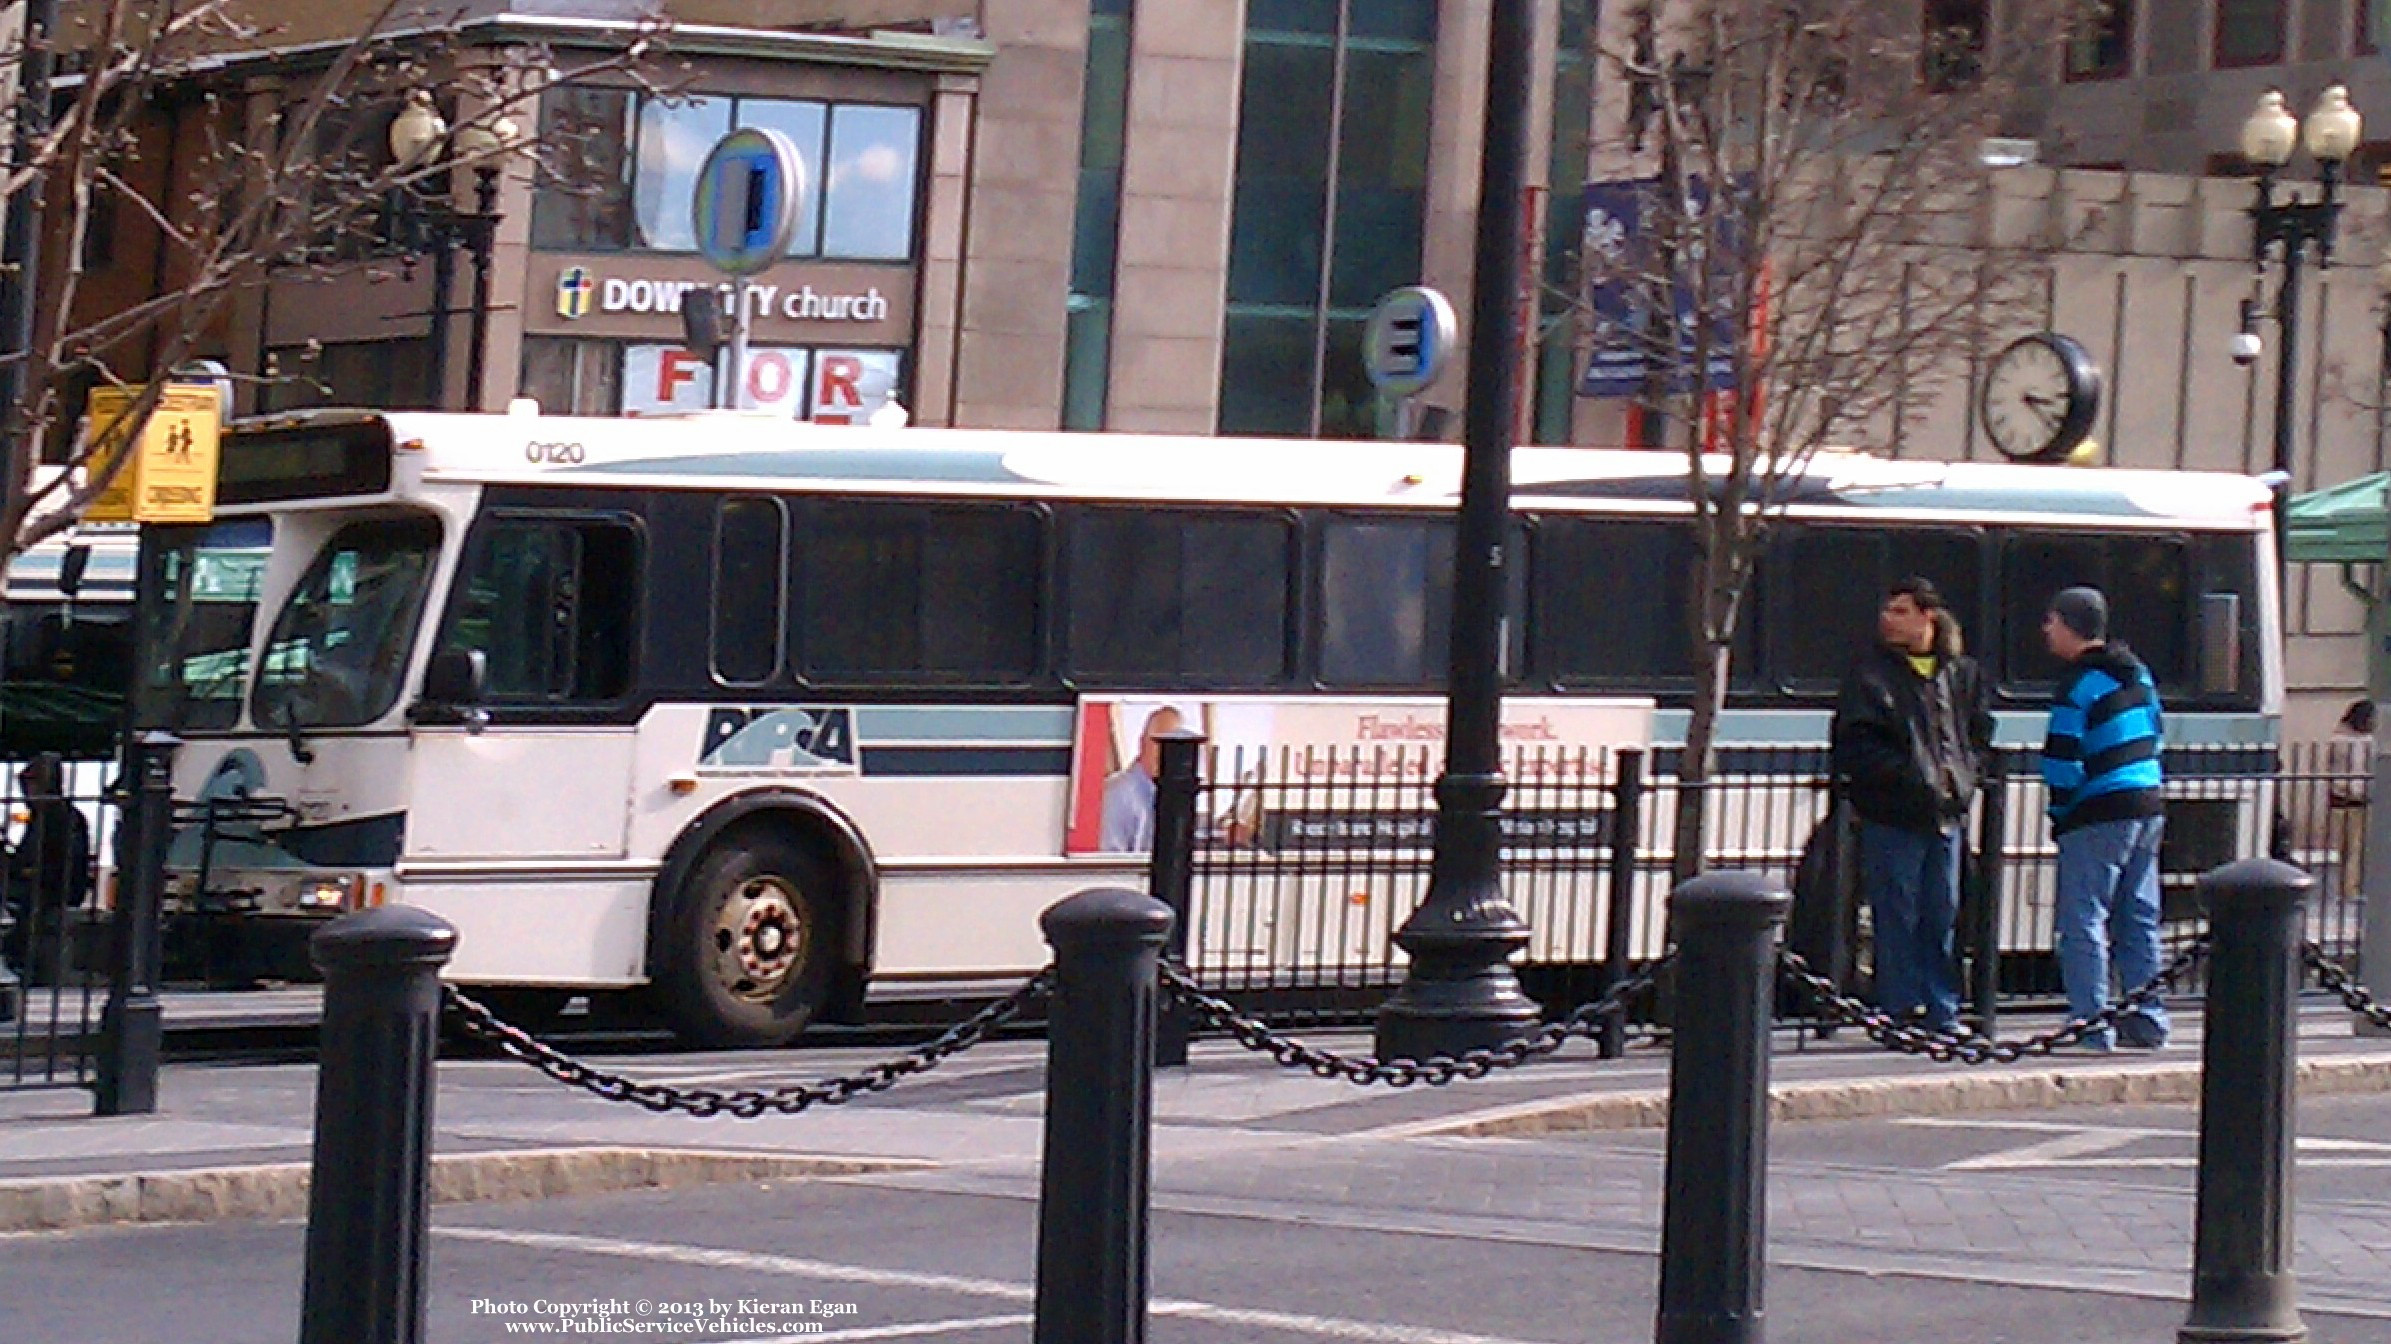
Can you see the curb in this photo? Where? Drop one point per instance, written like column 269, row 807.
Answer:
column 279, row 1190
column 1876, row 1098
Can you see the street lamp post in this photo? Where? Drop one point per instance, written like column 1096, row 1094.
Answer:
column 2291, row 226
column 1460, row 992
column 435, row 223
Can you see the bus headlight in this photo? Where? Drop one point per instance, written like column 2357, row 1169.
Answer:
column 331, row 893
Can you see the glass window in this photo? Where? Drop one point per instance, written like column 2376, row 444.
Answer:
column 1329, row 206
column 805, row 123
column 570, row 377
column 197, row 673
column 587, row 204
column 2102, row 45
column 1285, row 114
column 553, row 603
column 2229, row 565
column 750, row 581
column 945, row 594
column 1096, row 218
column 1386, row 602
column 1610, row 602
column 2249, row 32
column 2033, row 570
column 1382, row 175
column 633, row 163
column 391, row 375
column 868, row 199
column 1266, row 374
column 338, row 653
column 1829, row 582
column 1954, row 42
column 2150, row 607
column 1175, row 596
column 674, row 138
column 2143, row 577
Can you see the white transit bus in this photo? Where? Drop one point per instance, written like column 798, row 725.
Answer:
column 761, row 715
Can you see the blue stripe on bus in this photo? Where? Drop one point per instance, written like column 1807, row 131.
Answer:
column 1041, row 724
column 2011, row 728
column 966, row 761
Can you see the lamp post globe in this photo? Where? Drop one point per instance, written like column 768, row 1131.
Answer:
column 2333, row 127
column 416, row 129
column 2271, row 133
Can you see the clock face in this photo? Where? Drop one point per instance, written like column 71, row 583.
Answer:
column 2039, row 397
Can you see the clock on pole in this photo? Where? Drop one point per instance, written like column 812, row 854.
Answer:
column 2039, row 397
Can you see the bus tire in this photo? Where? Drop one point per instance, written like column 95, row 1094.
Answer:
column 751, row 944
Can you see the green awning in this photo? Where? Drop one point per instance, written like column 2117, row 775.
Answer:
column 2346, row 524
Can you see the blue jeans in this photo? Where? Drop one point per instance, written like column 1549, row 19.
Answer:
column 2109, row 920
column 1912, row 879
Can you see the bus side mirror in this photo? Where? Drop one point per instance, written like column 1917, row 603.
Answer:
column 456, row 677
column 453, row 685
column 71, row 567
column 2220, row 643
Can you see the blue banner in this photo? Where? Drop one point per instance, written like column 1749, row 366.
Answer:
column 1619, row 268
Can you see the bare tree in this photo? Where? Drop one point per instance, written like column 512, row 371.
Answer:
column 306, row 189
column 1811, row 253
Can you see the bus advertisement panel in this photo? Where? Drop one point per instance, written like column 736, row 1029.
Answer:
column 1358, row 743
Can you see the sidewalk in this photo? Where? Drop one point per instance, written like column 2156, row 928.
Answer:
column 233, row 1141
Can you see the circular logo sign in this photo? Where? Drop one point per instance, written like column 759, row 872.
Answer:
column 1409, row 340
column 745, row 205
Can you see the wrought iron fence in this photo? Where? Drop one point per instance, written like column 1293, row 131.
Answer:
column 55, row 876
column 1307, row 862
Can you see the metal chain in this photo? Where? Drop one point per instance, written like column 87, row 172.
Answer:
column 1435, row 1071
column 748, row 1103
column 1946, row 1048
column 2337, row 981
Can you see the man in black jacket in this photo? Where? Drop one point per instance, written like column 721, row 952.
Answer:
column 48, row 871
column 1912, row 732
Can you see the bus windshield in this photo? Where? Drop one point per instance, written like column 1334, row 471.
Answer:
column 339, row 647
column 206, row 593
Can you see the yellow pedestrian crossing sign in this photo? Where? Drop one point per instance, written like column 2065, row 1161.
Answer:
column 172, row 477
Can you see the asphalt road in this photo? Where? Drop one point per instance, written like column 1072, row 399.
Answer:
column 2044, row 1228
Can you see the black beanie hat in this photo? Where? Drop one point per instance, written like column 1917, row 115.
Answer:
column 2084, row 611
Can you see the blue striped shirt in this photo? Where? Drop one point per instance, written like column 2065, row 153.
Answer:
column 2101, row 757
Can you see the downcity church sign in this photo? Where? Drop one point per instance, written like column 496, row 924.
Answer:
column 581, row 291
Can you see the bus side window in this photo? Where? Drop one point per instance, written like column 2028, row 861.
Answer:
column 949, row 594
column 1386, row 601
column 1180, row 596
column 1826, row 584
column 1611, row 602
column 750, row 578
column 551, row 603
column 2150, row 604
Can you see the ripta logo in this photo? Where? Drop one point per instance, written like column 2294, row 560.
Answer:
column 772, row 737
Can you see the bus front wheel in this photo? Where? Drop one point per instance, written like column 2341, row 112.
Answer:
column 751, row 945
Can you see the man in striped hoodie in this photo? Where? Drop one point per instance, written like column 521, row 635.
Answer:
column 2101, row 761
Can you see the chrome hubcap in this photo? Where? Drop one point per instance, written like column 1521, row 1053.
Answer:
column 759, row 939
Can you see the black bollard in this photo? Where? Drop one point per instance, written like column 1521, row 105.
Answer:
column 367, row 1206
column 1092, row 1195
column 1714, row 1207
column 1172, row 876
column 2243, row 1286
